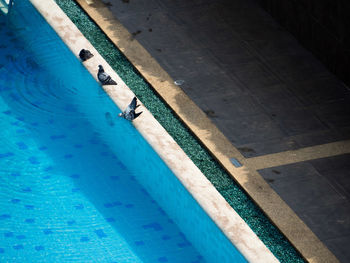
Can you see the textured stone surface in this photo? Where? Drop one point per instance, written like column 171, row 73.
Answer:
column 319, row 191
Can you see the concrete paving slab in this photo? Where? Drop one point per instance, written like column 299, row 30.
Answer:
column 268, row 146
column 318, row 191
column 340, row 178
column 332, row 163
column 256, row 75
column 314, row 192
column 335, row 217
column 322, row 90
column 336, row 244
column 298, row 121
column 249, row 129
column 318, row 138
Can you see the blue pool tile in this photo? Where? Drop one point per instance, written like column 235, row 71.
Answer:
column 5, row 216
column 110, row 205
column 57, row 137
column 38, row 248
column 110, row 219
column 47, row 177
column 47, row 231
column 166, row 237
column 163, row 259
column 5, row 155
column 14, row 97
column 100, row 233
column 78, row 146
column 18, row 247
column 29, row 207
column 8, row 112
column 15, row 123
column 15, row 201
column 161, row 211
column 72, row 125
column 10, row 57
column 8, row 234
column 20, row 131
column 42, row 148
column 114, row 177
column 20, row 118
column 183, row 244
column 74, row 176
column 139, row 243
column 22, row 145
column 33, row 160
column 2, row 251
column 94, row 141
column 21, row 237
column 79, row 206
column 15, row 174
column 68, row 156
column 37, row 102
column 84, row 239
column 198, row 260
column 49, row 168
column 144, row 192
column 129, row 205
column 26, row 189
column 34, row 124
column 74, row 190
column 29, row 220
column 70, row 108
column 71, row 222
column 155, row 226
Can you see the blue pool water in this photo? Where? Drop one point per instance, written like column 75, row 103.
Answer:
column 78, row 184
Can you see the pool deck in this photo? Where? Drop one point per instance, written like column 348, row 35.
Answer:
column 238, row 232
column 253, row 93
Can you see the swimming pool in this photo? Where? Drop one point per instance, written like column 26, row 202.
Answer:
column 76, row 183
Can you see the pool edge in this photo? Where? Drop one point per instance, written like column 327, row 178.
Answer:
column 246, row 241
column 295, row 230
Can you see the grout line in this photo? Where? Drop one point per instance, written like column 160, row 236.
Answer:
column 300, row 155
column 295, row 230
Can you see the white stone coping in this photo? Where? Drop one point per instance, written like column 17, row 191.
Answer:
column 233, row 226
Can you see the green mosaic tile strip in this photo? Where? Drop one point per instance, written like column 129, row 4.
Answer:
column 223, row 182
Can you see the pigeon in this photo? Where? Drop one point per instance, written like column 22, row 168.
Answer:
column 129, row 113
column 85, row 54
column 104, row 77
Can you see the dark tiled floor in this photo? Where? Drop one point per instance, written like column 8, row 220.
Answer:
column 319, row 192
column 263, row 90
column 234, row 48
